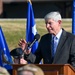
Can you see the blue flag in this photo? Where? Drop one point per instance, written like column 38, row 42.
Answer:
column 31, row 27
column 73, row 18
column 5, row 58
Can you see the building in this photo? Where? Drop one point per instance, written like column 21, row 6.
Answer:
column 18, row 8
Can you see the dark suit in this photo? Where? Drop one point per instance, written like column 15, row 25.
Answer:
column 65, row 52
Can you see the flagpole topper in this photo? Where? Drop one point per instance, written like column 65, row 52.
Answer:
column 29, row 1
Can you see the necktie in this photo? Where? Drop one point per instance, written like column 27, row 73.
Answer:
column 54, row 45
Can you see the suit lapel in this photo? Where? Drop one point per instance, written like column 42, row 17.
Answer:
column 49, row 43
column 60, row 45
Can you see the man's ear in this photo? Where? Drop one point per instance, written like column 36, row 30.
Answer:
column 59, row 21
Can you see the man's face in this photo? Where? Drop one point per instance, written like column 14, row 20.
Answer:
column 52, row 26
column 26, row 73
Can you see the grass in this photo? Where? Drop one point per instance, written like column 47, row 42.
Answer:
column 14, row 30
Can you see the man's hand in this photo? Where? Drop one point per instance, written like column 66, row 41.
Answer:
column 23, row 44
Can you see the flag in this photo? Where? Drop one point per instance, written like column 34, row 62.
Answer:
column 5, row 58
column 31, row 27
column 73, row 18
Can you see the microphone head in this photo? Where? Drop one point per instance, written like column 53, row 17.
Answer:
column 37, row 36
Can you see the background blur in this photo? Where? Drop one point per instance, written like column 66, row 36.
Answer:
column 14, row 29
column 18, row 8
column 13, row 17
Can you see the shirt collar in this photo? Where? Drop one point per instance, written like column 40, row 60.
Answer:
column 58, row 35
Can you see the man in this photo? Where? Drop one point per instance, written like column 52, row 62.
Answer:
column 55, row 47
column 30, row 69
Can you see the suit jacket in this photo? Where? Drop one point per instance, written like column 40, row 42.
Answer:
column 65, row 52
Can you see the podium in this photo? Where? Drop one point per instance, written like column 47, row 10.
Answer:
column 50, row 69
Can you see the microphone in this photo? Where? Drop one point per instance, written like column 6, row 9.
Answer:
column 36, row 38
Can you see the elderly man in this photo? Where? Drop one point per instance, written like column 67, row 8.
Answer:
column 55, row 47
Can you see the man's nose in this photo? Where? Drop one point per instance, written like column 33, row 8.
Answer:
column 47, row 25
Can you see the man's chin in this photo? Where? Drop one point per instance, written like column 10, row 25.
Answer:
column 50, row 32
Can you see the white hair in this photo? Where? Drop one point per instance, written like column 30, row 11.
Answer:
column 53, row 15
column 36, row 70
